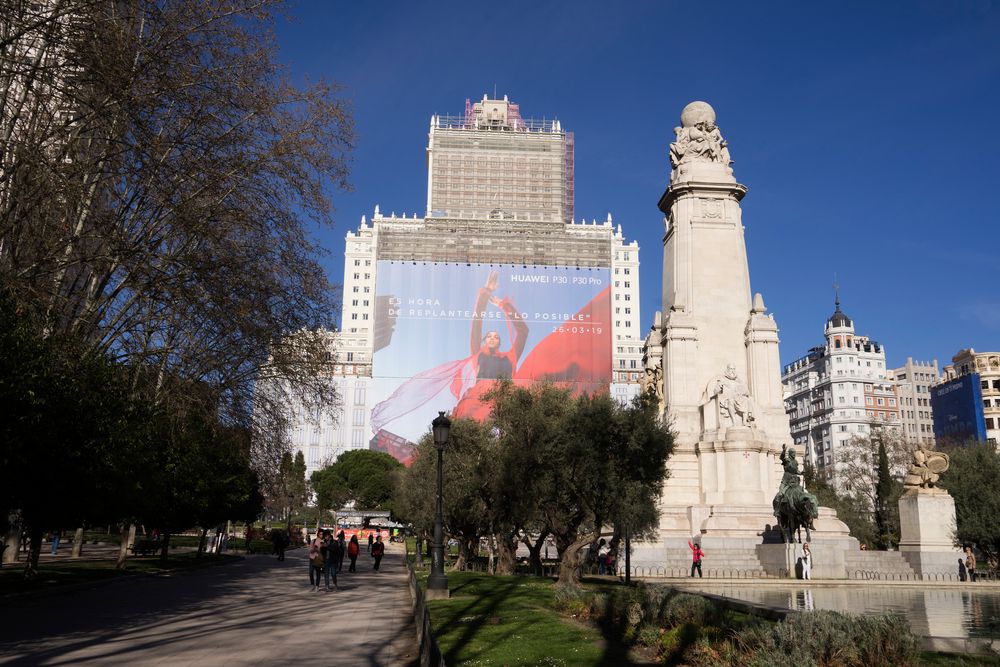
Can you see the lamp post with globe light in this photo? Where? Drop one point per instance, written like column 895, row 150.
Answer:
column 437, row 582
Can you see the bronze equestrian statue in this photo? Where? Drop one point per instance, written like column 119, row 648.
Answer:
column 794, row 507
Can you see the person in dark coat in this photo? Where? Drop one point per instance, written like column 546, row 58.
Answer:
column 378, row 550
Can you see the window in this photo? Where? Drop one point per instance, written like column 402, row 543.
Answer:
column 358, row 438
column 359, row 395
column 359, row 417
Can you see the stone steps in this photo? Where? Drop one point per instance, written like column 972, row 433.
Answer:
column 877, row 564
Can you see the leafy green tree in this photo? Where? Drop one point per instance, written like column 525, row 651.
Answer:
column 468, row 473
column 594, row 462
column 973, row 480
column 361, row 475
column 884, row 492
column 74, row 440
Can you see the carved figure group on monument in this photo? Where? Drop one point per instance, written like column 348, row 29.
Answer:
column 698, row 138
column 794, row 507
column 733, row 402
column 926, row 469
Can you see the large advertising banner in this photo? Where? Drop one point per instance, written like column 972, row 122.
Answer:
column 957, row 406
column 447, row 331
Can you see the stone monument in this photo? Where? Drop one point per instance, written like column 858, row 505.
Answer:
column 927, row 517
column 721, row 370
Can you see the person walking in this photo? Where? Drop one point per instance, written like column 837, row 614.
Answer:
column 248, row 536
column 56, row 536
column 378, row 550
column 353, row 549
column 696, row 555
column 806, row 561
column 329, row 559
column 370, row 540
column 603, row 551
column 316, row 562
column 343, row 551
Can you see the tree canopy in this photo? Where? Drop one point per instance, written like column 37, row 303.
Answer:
column 365, row 477
column 545, row 462
column 973, row 480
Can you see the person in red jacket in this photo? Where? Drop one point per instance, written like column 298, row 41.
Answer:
column 353, row 549
column 696, row 555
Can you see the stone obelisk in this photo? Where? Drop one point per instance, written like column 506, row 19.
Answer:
column 721, row 368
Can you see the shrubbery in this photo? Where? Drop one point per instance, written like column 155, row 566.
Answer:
column 830, row 638
column 692, row 629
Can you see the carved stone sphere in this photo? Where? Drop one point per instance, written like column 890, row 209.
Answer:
column 697, row 112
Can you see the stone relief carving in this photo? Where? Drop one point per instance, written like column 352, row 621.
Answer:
column 652, row 382
column 698, row 138
column 926, row 469
column 731, row 400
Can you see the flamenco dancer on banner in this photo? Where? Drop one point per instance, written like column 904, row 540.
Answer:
column 469, row 378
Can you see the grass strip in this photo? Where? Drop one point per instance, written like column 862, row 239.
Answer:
column 56, row 575
column 496, row 620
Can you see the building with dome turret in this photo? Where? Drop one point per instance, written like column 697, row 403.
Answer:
column 837, row 391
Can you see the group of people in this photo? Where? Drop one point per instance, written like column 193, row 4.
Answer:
column 326, row 557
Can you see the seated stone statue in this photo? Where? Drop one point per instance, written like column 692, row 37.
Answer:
column 926, row 469
column 735, row 404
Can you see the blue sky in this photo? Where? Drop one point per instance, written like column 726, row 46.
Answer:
column 867, row 134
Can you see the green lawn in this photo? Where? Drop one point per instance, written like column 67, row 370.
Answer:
column 65, row 573
column 492, row 620
column 511, row 621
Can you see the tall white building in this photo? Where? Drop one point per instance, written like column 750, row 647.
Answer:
column 836, row 391
column 499, row 192
column 913, row 390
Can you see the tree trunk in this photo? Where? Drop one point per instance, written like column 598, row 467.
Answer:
column 506, row 553
column 535, row 553
column 31, row 564
column 77, row 544
column 128, row 539
column 12, row 543
column 569, row 559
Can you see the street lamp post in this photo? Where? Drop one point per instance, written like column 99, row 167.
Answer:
column 437, row 582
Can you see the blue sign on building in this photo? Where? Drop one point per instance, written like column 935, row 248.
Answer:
column 958, row 410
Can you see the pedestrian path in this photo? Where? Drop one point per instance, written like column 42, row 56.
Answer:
column 256, row 611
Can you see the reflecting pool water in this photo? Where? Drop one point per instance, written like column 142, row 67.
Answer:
column 932, row 611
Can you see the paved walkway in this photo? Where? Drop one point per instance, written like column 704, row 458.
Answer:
column 257, row 611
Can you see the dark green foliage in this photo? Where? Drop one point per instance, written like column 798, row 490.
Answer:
column 973, row 480
column 883, row 500
column 364, row 476
column 848, row 510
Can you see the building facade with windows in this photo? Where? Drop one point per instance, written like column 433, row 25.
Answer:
column 987, row 366
column 500, row 196
column 913, row 390
column 838, row 391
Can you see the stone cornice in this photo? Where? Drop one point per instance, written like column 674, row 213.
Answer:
column 675, row 191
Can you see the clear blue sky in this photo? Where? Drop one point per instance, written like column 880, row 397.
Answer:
column 866, row 132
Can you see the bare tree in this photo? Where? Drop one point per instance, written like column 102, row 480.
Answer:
column 158, row 177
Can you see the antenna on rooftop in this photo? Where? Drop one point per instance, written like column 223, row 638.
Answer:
column 836, row 290
column 494, row 90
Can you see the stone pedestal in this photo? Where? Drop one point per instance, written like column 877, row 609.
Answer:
column 927, row 529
